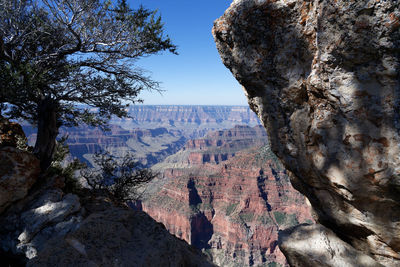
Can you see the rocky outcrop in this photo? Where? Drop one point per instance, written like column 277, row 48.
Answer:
column 231, row 209
column 323, row 77
column 19, row 170
column 315, row 245
column 118, row 237
column 42, row 225
column 11, row 133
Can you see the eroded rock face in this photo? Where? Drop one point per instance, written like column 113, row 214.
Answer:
column 323, row 76
column 230, row 208
column 19, row 170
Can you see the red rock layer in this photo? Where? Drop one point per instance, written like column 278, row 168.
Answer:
column 233, row 210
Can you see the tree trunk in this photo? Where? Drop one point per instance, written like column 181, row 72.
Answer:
column 47, row 132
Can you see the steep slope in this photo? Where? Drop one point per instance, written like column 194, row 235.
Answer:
column 323, row 77
column 227, row 199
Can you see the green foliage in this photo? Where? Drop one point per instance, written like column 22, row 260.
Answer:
column 274, row 264
column 280, row 217
column 68, row 62
column 292, row 220
column 118, row 178
column 75, row 51
column 264, row 219
column 231, row 208
column 284, row 219
column 65, row 169
column 246, row 216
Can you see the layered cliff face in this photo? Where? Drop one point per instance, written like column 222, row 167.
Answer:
column 323, row 77
column 149, row 146
column 191, row 121
column 231, row 207
column 152, row 132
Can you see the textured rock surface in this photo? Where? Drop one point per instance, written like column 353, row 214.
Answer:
column 19, row 170
column 233, row 207
column 51, row 228
column 41, row 225
column 315, row 245
column 45, row 213
column 323, row 76
column 11, row 133
column 118, row 237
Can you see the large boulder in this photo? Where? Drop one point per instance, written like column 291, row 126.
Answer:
column 51, row 228
column 323, row 77
column 19, row 170
column 119, row 237
column 316, row 245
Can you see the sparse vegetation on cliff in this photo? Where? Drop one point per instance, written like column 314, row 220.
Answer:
column 119, row 178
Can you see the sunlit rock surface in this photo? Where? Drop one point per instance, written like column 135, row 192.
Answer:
column 315, row 245
column 323, row 77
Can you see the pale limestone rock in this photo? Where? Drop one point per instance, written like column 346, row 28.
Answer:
column 316, row 245
column 19, row 170
column 119, row 237
column 323, row 77
column 47, row 215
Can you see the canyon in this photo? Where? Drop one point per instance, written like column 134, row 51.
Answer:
column 45, row 223
column 152, row 132
column 227, row 194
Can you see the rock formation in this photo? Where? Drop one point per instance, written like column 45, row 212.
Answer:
column 11, row 133
column 19, row 170
column 152, row 132
column 43, row 224
column 167, row 115
column 232, row 201
column 323, row 77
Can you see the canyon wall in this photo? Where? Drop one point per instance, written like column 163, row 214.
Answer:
column 151, row 133
column 323, row 77
column 228, row 195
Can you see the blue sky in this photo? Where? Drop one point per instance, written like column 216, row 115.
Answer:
column 196, row 76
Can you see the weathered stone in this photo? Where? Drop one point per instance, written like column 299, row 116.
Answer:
column 323, row 77
column 118, row 237
column 11, row 134
column 316, row 245
column 45, row 222
column 19, row 170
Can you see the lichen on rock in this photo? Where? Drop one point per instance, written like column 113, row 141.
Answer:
column 323, row 77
